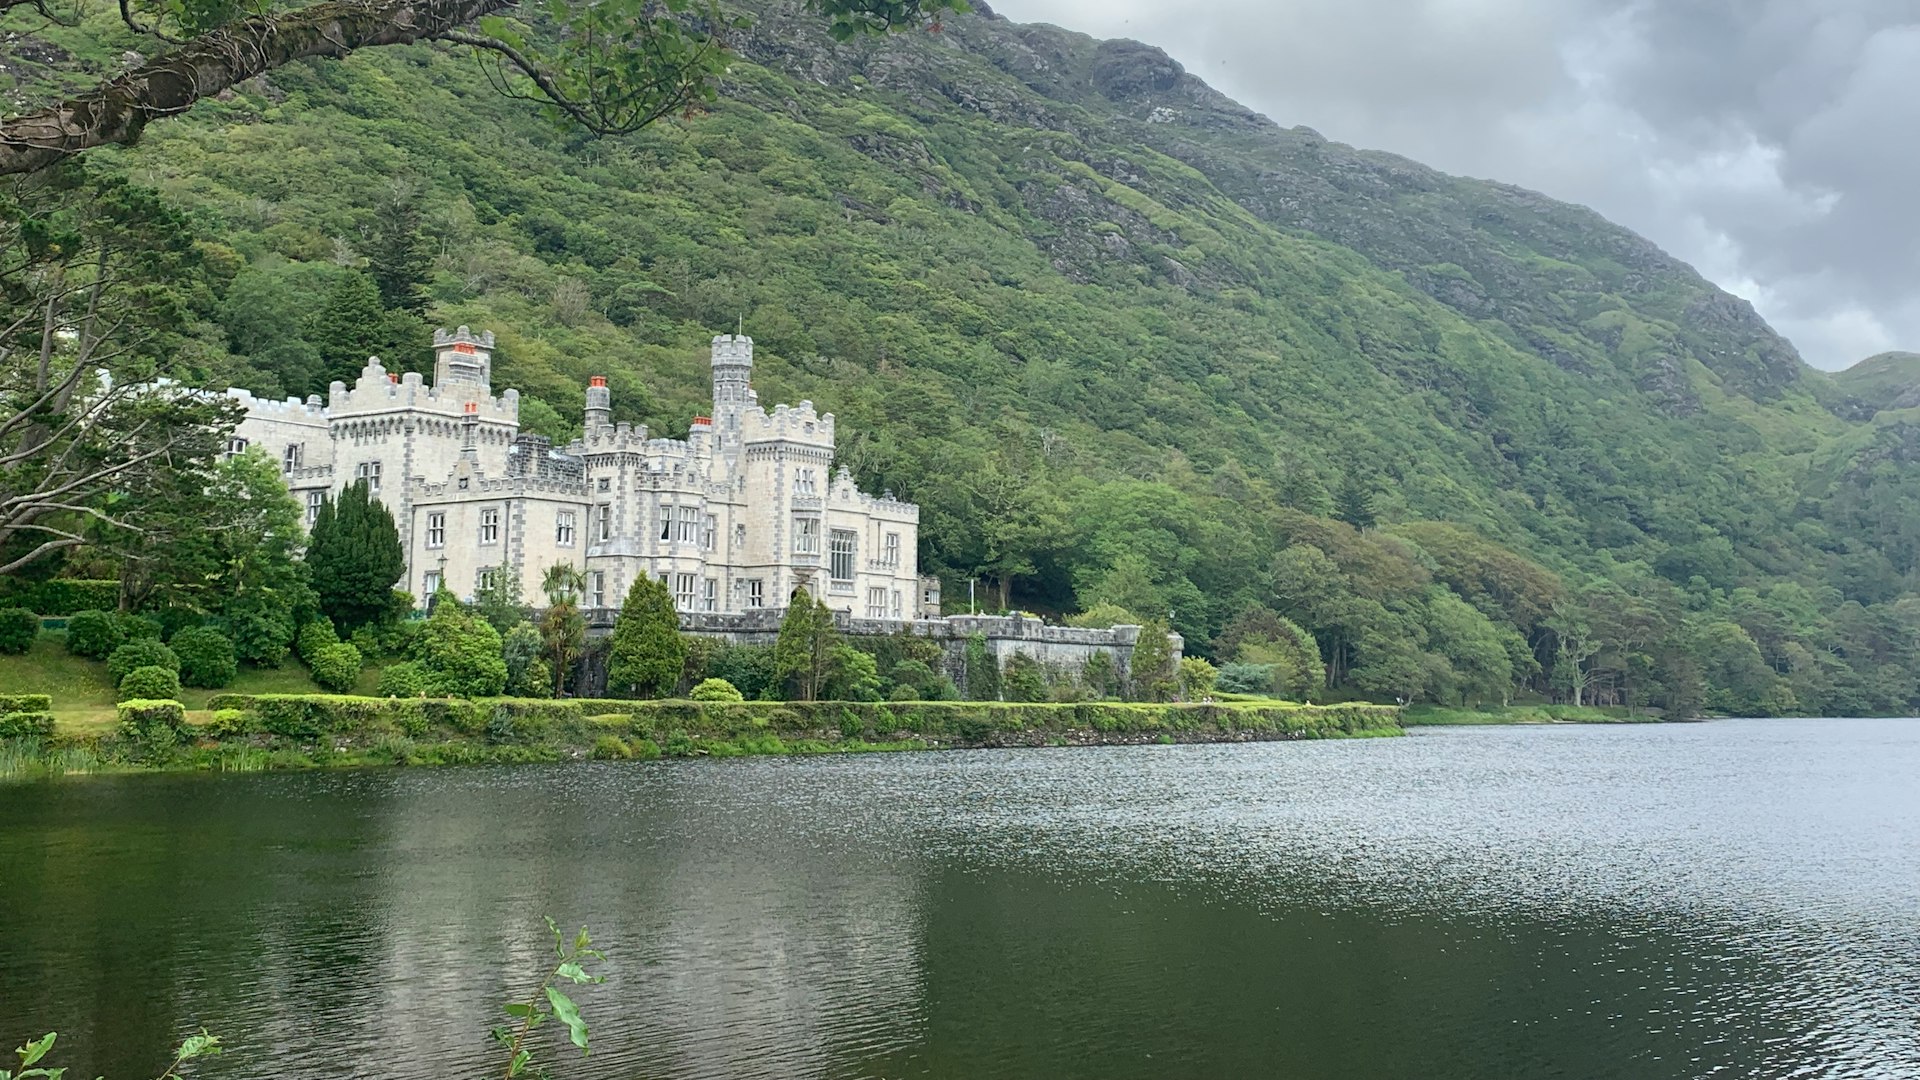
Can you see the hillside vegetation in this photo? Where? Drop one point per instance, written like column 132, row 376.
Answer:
column 1126, row 342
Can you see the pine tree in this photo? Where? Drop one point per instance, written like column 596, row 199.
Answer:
column 648, row 651
column 1354, row 504
column 351, row 326
column 397, row 257
column 805, row 644
column 354, row 558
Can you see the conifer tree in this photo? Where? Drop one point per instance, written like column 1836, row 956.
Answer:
column 802, row 651
column 354, row 558
column 648, row 651
column 1354, row 504
column 397, row 256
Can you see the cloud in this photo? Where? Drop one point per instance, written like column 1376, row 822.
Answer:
column 1773, row 144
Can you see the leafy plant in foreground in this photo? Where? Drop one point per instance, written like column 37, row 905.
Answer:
column 547, row 1002
column 195, row 1046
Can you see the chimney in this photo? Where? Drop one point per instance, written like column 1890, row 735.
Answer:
column 599, row 403
column 470, row 421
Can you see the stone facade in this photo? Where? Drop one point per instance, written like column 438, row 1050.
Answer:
column 732, row 518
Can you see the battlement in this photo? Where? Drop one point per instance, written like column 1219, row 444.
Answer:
column 378, row 390
column 462, row 335
column 798, row 423
column 291, row 410
column 730, row 350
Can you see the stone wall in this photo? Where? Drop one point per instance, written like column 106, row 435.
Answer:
column 1063, row 649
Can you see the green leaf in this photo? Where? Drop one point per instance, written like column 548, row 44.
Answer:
column 569, row 1015
column 519, row 1062
column 572, row 972
column 519, row 1010
column 37, row 1049
column 201, row 1045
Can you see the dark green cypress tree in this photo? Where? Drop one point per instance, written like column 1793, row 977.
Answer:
column 801, row 651
column 351, row 326
column 648, row 651
column 354, row 558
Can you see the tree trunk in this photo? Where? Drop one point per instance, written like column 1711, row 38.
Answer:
column 117, row 111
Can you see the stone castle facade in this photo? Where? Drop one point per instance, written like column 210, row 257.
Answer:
column 733, row 518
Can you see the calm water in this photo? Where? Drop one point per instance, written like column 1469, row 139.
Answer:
column 1736, row 899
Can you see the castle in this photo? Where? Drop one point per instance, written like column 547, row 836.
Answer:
column 732, row 519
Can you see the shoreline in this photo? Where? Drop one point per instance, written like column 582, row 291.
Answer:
column 265, row 732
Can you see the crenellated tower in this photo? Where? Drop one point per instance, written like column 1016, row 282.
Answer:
column 732, row 393
column 463, row 357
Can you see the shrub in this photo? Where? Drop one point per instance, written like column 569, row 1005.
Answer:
column 1104, row 615
column 1024, row 679
column 611, row 748
column 461, row 654
column 367, row 640
column 717, row 690
column 206, row 657
column 313, row 637
column 903, row 692
column 62, row 596
column 335, row 667
column 1245, row 679
column 1197, row 678
column 139, row 627
column 16, row 725
column 173, row 620
column 26, row 703
column 226, row 723
column 139, row 654
column 151, row 682
column 403, row 680
column 18, row 628
column 94, row 634
column 153, row 727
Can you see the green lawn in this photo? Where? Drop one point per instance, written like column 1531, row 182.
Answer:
column 83, row 695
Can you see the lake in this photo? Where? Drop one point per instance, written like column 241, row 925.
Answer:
column 1731, row 899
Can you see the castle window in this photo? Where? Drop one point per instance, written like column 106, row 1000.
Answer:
column 739, row 536
column 603, row 522
column 315, row 499
column 370, row 472
column 597, row 588
column 841, row 549
column 436, row 530
column 892, row 557
column 683, row 585
column 490, row 526
column 666, row 523
column 756, row 593
column 710, row 595
column 563, row 528
column 486, row 579
column 236, row 447
column 707, row 528
column 689, row 525
column 896, row 604
column 430, row 583
column 806, row 536
column 290, row 457
column 805, row 482
column 876, row 603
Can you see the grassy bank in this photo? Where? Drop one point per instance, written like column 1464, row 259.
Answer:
column 1440, row 715
column 252, row 732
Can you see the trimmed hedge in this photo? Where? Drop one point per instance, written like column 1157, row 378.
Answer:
column 145, row 714
column 26, row 703
column 206, row 657
column 18, row 628
column 932, row 723
column 94, row 634
column 151, row 683
column 63, row 596
column 15, row 725
column 139, row 654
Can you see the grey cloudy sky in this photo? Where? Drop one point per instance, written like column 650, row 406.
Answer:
column 1773, row 144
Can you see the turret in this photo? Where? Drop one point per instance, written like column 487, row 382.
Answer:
column 463, row 357
column 732, row 373
column 599, row 403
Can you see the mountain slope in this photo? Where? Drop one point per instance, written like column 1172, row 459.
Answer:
column 1121, row 337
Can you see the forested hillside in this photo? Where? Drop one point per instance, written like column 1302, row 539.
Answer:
column 1126, row 342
